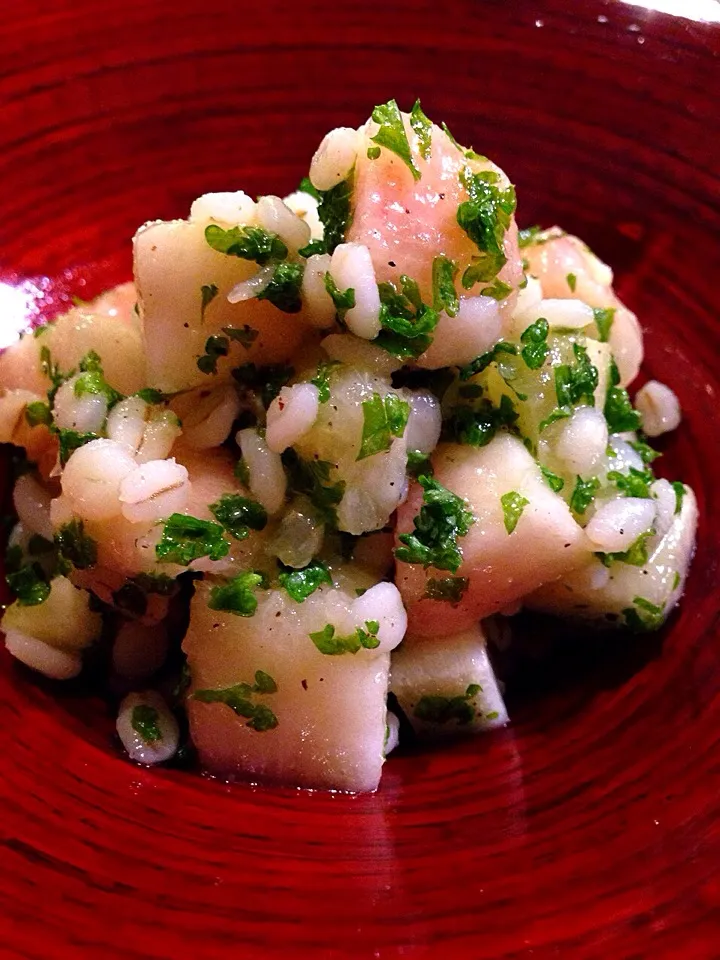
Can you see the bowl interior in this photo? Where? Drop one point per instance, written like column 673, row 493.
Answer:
column 589, row 825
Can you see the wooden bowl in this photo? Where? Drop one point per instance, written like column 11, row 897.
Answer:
column 590, row 826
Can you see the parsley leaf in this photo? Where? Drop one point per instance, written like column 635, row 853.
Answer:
column 343, row 300
column 145, row 721
column 644, row 616
column 485, row 359
column 332, row 646
column 215, row 347
column 392, row 133
column 535, row 351
column 636, row 555
column 152, row 396
column 52, row 371
column 445, row 298
column 578, row 381
column 185, row 539
column 29, row 584
column 301, row 583
column 312, row 477
column 527, row 236
column 37, row 413
column 418, row 463
column 448, row 589
column 619, row 411
column 559, row 413
column 312, row 248
column 237, row 595
column 571, row 281
column 476, row 426
column 208, row 292
column 498, row 290
column 407, row 322
column 322, row 378
column 248, row 243
column 679, row 489
column 485, row 217
column 283, row 291
column 239, row 698
column 555, row 482
column 267, row 381
column 239, row 515
column 92, row 380
column 383, row 419
column 604, row 317
column 583, row 494
column 306, row 186
column 423, row 130
column 513, row 505
column 245, row 335
column 75, row 546
column 441, row 520
column 373, row 153
column 433, row 708
column 647, row 454
column 636, row 483
column 334, row 212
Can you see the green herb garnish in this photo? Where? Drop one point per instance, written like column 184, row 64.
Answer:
column 185, row 539
column 239, row 515
column 583, row 494
column 485, row 217
column 555, row 482
column 331, row 645
column 442, row 519
column 433, row 708
column 604, row 317
column 322, row 378
column 535, row 349
column 208, row 292
column 300, row 584
column 239, row 698
column 445, row 298
column 407, row 323
column 312, row 478
column 423, row 130
column 238, row 594
column 392, row 135
column 383, row 419
column 344, row 300
column 145, row 721
column 513, row 505
column 248, row 243
column 283, row 291
column 448, row 589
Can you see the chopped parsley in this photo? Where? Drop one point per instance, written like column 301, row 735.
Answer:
column 635, row 483
column 485, row 217
column 185, row 539
column 37, row 413
column 145, row 721
column 433, row 708
column 485, row 359
column 300, row 584
column 75, row 546
column 571, row 281
column 240, row 700
column 239, row 515
column 577, row 381
column 407, row 323
column 331, row 645
column 306, row 186
column 208, row 292
column 604, row 317
column 423, row 130
column 248, row 243
column 636, row 555
column 322, row 378
column 238, row 594
column 334, row 212
column 245, row 335
column 498, row 289
column 445, row 298
column 392, row 134
column 555, row 482
column 267, row 381
column 679, row 489
column 91, row 380
column 559, row 413
column 150, row 395
column 528, row 236
column 344, row 300
column 29, row 583
column 312, row 248
column 647, row 454
column 383, row 419
column 583, row 494
column 619, row 411
column 644, row 616
column 418, row 463
column 513, row 505
column 312, row 477
column 535, row 349
column 215, row 347
column 373, row 153
column 441, row 520
column 447, row 589
column 52, row 371
column 476, row 426
column 283, row 291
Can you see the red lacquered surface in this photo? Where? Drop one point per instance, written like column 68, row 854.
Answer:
column 591, row 827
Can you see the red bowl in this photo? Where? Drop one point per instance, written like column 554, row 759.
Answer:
column 588, row 828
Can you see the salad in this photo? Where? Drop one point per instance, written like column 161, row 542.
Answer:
column 319, row 449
